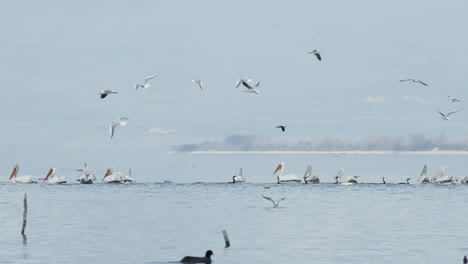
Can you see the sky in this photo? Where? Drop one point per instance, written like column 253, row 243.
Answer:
column 56, row 56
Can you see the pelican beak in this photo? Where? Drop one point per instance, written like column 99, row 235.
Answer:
column 277, row 169
column 48, row 174
column 13, row 173
column 108, row 172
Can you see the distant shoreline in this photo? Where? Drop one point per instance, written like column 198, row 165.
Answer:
column 385, row 152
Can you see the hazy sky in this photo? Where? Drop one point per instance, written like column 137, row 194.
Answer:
column 56, row 56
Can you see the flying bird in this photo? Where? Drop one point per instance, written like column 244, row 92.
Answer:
column 414, row 80
column 104, row 93
column 275, row 204
column 248, row 83
column 283, row 128
column 446, row 116
column 145, row 82
column 206, row 259
column 199, row 82
column 317, row 54
column 121, row 122
column 452, row 99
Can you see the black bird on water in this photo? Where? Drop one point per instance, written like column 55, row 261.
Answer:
column 465, row 260
column 283, row 128
column 206, row 259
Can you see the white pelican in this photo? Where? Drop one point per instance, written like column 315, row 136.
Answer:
column 287, row 177
column 111, row 178
column 309, row 178
column 275, row 204
column 446, row 116
column 104, row 93
column 464, row 180
column 414, row 80
column 199, row 82
column 452, row 99
column 86, row 177
column 423, row 177
column 145, row 83
column 52, row 179
column 340, row 178
column 127, row 178
column 238, row 178
column 121, row 122
column 441, row 178
column 283, row 128
column 21, row 179
column 247, row 83
column 317, row 54
column 206, row 259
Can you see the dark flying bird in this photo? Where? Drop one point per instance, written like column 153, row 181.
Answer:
column 248, row 84
column 206, row 259
column 317, row 54
column 414, row 80
column 282, row 127
column 104, row 93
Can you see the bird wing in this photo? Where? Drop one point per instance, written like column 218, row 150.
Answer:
column 112, row 128
column 239, row 81
column 149, row 78
column 442, row 114
column 137, row 85
column 404, row 80
column 268, row 198
column 449, row 113
column 319, row 57
column 422, row 83
column 280, row 200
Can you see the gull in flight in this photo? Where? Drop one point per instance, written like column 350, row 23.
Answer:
column 104, row 93
column 317, row 54
column 248, row 84
column 145, row 82
column 414, row 80
column 452, row 99
column 275, row 204
column 283, row 128
column 121, row 122
column 199, row 82
column 446, row 116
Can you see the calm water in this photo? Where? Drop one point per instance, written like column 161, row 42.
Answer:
column 149, row 222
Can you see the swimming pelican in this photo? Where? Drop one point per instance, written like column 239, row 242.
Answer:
column 145, row 83
column 247, row 83
column 340, row 178
column 238, row 178
column 111, row 178
column 104, row 93
column 275, row 204
column 199, row 82
column 309, row 178
column 52, row 179
column 423, row 178
column 446, row 116
column 287, row 177
column 452, row 99
column 414, row 80
column 283, row 128
column 440, row 177
column 21, row 179
column 121, row 122
column 206, row 259
column 127, row 178
column 86, row 177
column 317, row 54
column 464, row 180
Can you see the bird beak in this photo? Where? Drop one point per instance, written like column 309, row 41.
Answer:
column 48, row 174
column 108, row 172
column 277, row 169
column 13, row 173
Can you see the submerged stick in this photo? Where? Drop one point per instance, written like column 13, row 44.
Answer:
column 226, row 239
column 25, row 214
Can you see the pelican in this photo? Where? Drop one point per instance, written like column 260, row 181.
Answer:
column 247, row 83
column 309, row 178
column 317, row 54
column 199, row 82
column 452, row 99
column 414, row 80
column 340, row 178
column 441, row 178
column 21, row 179
column 145, row 83
column 104, row 93
column 206, row 259
column 275, row 204
column 238, row 178
column 407, row 181
column 121, row 122
column 283, row 128
column 446, row 116
column 423, row 177
column 52, row 179
column 111, row 178
column 287, row 177
column 464, row 180
column 86, row 177
column 127, row 178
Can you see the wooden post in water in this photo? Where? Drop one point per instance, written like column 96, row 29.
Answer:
column 226, row 239
column 25, row 213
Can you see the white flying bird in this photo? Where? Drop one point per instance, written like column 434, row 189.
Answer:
column 446, row 116
column 199, row 82
column 275, row 204
column 452, row 99
column 248, row 83
column 317, row 54
column 104, row 93
column 121, row 122
column 414, row 80
column 145, row 82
